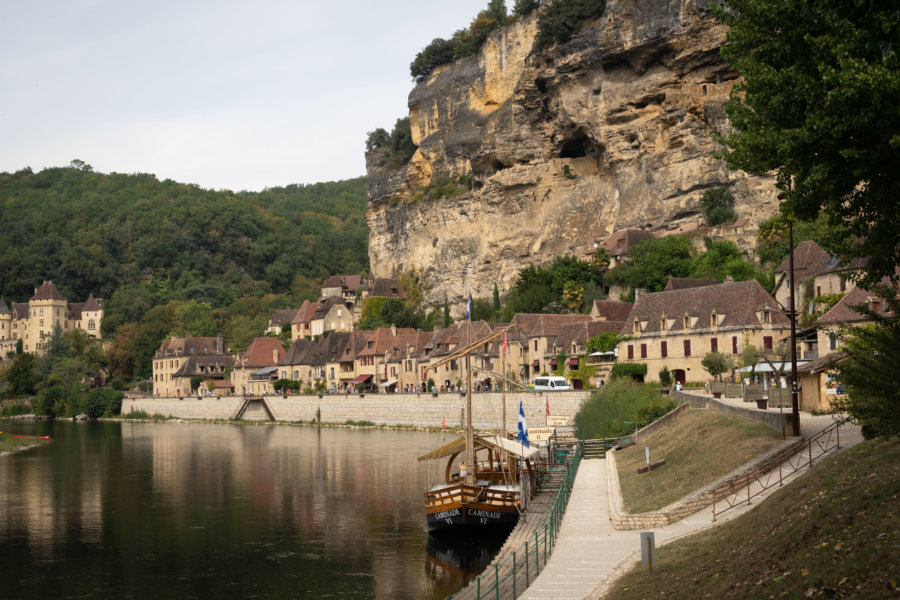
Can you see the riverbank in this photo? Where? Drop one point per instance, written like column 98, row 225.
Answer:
column 415, row 410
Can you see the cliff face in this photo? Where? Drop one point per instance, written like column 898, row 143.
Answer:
column 611, row 130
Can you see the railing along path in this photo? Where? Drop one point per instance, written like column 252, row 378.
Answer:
column 774, row 470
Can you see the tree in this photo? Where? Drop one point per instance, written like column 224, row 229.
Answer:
column 605, row 342
column 718, row 205
column 716, row 364
column 21, row 375
column 869, row 353
column 379, row 138
column 665, row 377
column 525, row 7
column 818, row 105
column 495, row 301
column 562, row 19
column 651, row 262
column 438, row 52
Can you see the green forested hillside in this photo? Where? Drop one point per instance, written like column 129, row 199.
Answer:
column 208, row 260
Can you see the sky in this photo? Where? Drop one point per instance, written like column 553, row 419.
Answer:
column 217, row 93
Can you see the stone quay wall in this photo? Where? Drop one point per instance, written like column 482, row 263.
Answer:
column 400, row 409
column 777, row 421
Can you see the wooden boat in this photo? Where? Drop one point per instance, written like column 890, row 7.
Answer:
column 490, row 499
column 489, row 486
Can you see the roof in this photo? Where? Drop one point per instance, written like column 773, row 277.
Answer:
column 93, row 304
column 809, row 259
column 326, row 305
column 541, row 325
column 345, row 282
column 844, row 311
column 263, row 352
column 305, row 312
column 682, row 283
column 386, row 288
column 482, row 441
column 192, row 366
column 282, row 316
column 620, row 241
column 610, row 310
column 186, row 346
column 736, row 303
column 47, row 291
column 4, row 308
column 580, row 333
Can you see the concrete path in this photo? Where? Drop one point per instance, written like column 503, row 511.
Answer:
column 591, row 554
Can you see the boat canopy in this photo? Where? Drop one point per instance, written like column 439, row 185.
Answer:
column 487, row 441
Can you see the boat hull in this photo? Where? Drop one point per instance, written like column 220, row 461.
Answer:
column 471, row 518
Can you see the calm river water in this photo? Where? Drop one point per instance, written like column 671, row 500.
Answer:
column 169, row 510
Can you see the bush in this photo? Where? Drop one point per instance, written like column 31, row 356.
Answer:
column 718, row 205
column 562, row 19
column 627, row 370
column 665, row 377
column 103, row 402
column 617, row 408
column 16, row 408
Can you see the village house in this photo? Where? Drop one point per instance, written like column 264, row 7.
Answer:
column 346, row 287
column 610, row 310
column 844, row 314
column 179, row 359
column 620, row 242
column 256, row 369
column 301, row 324
column 332, row 314
column 280, row 318
column 34, row 321
column 372, row 360
column 572, row 340
column 809, row 261
column 541, row 330
column 676, row 329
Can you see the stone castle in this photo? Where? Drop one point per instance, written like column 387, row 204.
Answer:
column 34, row 321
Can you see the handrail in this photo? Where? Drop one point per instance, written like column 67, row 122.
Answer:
column 787, row 462
column 512, row 575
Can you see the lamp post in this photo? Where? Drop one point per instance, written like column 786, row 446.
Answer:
column 795, row 396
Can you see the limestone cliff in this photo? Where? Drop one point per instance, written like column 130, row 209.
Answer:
column 613, row 129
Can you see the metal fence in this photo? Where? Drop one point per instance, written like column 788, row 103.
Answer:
column 512, row 576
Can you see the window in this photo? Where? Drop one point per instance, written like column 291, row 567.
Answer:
column 832, row 341
column 663, row 349
column 535, row 345
column 734, row 344
column 630, row 351
column 643, row 350
column 637, row 326
column 714, row 344
column 687, row 322
column 662, row 323
column 767, row 342
column 687, row 347
column 843, row 284
column 91, row 325
column 818, row 291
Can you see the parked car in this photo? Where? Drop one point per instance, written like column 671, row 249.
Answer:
column 550, row 384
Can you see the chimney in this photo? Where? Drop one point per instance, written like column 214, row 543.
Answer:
column 638, row 292
column 393, row 330
column 219, row 349
column 275, row 355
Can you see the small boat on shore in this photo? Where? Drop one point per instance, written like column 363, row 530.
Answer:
column 32, row 437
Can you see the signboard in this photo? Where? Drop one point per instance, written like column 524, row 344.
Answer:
column 648, row 549
column 540, row 434
column 558, row 420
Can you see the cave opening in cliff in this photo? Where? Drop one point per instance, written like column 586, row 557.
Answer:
column 579, row 145
column 488, row 165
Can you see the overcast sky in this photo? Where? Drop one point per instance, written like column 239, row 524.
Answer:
column 223, row 94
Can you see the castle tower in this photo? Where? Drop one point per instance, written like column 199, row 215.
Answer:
column 91, row 315
column 46, row 309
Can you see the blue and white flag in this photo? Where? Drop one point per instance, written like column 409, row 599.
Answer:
column 469, row 308
column 522, row 437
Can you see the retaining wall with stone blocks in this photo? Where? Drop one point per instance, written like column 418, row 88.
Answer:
column 418, row 410
column 774, row 420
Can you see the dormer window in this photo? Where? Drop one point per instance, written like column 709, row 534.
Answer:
column 687, row 321
column 714, row 319
column 662, row 323
column 637, row 326
column 767, row 315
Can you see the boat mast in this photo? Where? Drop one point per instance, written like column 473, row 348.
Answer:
column 470, row 434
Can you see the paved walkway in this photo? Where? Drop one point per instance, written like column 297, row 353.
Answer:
column 590, row 554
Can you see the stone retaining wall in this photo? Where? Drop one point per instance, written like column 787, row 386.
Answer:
column 418, row 410
column 774, row 420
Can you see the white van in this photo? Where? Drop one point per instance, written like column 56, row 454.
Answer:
column 550, row 384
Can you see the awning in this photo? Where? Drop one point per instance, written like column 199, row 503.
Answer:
column 264, row 371
column 763, row 367
column 552, row 362
column 388, row 383
column 361, row 379
column 573, row 362
column 536, row 363
column 488, row 441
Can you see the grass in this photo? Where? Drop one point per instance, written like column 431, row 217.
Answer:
column 832, row 533
column 692, row 445
column 8, row 443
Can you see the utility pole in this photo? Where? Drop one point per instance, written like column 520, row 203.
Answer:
column 795, row 394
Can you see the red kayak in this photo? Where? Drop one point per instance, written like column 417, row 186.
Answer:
column 33, row 437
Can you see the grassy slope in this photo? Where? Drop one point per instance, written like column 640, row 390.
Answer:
column 692, row 445
column 832, row 533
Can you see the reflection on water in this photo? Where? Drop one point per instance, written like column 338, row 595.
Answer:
column 174, row 510
column 462, row 559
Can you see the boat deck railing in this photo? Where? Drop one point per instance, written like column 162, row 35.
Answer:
column 469, row 493
column 509, row 577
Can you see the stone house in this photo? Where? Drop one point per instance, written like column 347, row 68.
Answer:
column 332, row 314
column 178, row 359
column 255, row 370
column 280, row 318
column 372, row 359
column 843, row 314
column 676, row 329
column 610, row 310
column 343, row 286
column 541, row 330
column 809, row 261
column 301, row 324
column 572, row 340
column 34, row 321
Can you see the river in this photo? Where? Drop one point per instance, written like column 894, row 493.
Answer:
column 195, row 510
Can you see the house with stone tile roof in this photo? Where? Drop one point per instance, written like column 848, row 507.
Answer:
column 541, row 330
column 845, row 314
column 301, row 324
column 809, row 261
column 280, row 318
column 178, row 359
column 256, row 369
column 677, row 328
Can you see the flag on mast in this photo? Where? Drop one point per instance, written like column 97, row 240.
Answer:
column 522, row 436
column 469, row 308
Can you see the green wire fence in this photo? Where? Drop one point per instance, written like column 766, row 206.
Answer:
column 512, row 576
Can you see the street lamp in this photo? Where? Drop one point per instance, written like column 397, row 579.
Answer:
column 795, row 398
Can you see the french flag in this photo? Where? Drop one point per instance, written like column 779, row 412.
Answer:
column 522, row 437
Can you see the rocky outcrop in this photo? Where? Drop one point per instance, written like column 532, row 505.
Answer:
column 613, row 129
